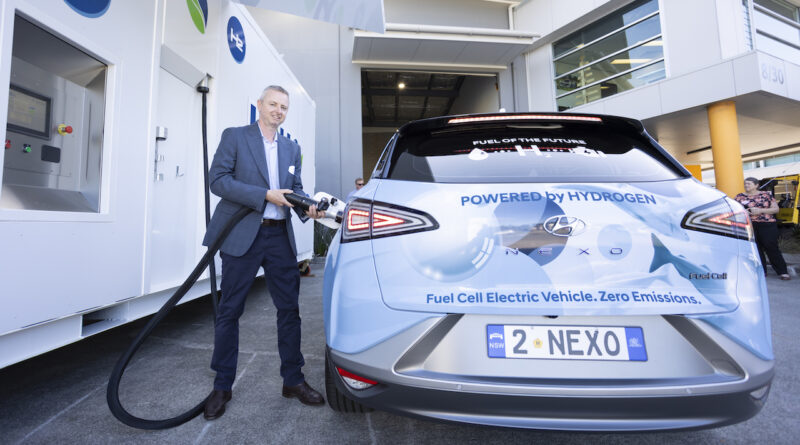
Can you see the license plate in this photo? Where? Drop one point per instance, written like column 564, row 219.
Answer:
column 566, row 342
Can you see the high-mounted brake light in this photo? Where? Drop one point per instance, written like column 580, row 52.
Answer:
column 367, row 219
column 719, row 218
column 355, row 381
column 513, row 117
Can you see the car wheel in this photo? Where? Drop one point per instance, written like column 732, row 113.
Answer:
column 338, row 401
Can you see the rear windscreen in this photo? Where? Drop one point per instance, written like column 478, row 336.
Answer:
column 541, row 152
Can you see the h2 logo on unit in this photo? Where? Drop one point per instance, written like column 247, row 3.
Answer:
column 236, row 40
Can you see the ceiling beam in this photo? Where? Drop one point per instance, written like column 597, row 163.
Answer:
column 409, row 92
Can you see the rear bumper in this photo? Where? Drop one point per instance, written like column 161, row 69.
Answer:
column 412, row 385
column 564, row 413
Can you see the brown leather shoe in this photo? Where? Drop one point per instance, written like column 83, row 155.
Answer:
column 306, row 394
column 215, row 404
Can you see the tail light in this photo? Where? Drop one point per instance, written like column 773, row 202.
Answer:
column 720, row 218
column 369, row 219
column 355, row 381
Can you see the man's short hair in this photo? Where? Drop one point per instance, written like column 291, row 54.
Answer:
column 359, row 179
column 277, row 88
column 751, row 179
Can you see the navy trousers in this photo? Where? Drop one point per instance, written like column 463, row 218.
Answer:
column 272, row 251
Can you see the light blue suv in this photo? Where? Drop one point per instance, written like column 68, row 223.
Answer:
column 553, row 271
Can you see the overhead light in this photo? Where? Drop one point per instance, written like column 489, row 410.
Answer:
column 401, row 85
column 654, row 43
column 629, row 61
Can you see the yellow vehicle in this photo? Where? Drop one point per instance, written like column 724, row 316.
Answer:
column 785, row 191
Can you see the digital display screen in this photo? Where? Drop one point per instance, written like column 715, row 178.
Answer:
column 28, row 112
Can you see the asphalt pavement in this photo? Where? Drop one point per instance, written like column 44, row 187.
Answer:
column 60, row 397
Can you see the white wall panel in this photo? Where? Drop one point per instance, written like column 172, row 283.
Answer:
column 350, row 144
column 643, row 101
column 565, row 12
column 793, row 79
column 732, row 38
column 540, row 75
column 546, row 16
column 472, row 13
column 520, row 76
column 181, row 35
column 746, row 73
column 691, row 35
column 698, row 87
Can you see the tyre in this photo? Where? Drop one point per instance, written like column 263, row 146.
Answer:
column 336, row 400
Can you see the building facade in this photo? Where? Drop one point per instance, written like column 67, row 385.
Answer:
column 716, row 82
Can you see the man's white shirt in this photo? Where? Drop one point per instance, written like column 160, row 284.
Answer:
column 272, row 211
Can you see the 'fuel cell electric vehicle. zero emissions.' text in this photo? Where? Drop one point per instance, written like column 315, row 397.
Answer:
column 555, row 271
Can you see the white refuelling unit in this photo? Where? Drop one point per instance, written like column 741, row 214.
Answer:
column 101, row 206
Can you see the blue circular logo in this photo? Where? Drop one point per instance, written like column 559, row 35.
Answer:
column 236, row 41
column 89, row 8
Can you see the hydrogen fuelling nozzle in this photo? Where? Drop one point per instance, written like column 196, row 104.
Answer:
column 333, row 207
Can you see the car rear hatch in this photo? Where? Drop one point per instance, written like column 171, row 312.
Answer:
column 547, row 217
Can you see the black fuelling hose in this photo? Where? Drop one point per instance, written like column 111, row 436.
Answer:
column 212, row 267
column 112, row 393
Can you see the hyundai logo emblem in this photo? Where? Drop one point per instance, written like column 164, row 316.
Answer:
column 563, row 225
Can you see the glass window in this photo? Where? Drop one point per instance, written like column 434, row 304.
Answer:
column 622, row 39
column 608, row 24
column 542, row 152
column 611, row 66
column 782, row 8
column 617, row 53
column 609, row 87
column 779, row 160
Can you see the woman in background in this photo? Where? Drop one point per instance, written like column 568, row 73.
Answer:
column 762, row 208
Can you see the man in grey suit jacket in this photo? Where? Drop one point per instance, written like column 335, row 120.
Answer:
column 254, row 167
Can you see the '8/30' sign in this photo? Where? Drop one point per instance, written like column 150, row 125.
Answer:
column 236, row 41
column 771, row 73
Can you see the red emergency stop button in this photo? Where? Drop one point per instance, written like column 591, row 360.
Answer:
column 64, row 129
column 8, row 144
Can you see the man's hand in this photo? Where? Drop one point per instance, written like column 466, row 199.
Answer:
column 276, row 197
column 313, row 213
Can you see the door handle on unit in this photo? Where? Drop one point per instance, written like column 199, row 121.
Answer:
column 161, row 133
